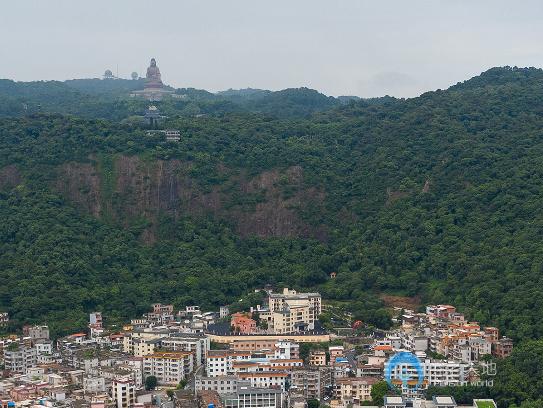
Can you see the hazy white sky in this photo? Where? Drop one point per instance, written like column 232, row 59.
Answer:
column 340, row 47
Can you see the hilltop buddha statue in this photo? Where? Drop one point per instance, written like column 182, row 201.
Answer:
column 153, row 78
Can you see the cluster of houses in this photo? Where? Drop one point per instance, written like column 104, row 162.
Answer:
column 257, row 364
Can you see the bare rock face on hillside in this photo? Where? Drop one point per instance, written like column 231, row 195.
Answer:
column 80, row 184
column 134, row 190
column 9, row 177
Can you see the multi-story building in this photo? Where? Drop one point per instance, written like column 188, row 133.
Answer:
column 311, row 382
column 268, row 379
column 196, row 342
column 503, row 347
column 354, row 390
column 19, row 358
column 38, row 332
column 394, row 401
column 436, row 372
column 123, row 393
column 291, row 312
column 159, row 308
column 369, row 370
column 220, row 384
column 223, row 311
column 242, row 324
column 94, row 385
column 169, row 368
column 413, row 342
column 286, row 349
column 317, row 358
column 277, row 301
column 44, row 351
column 220, row 362
column 247, row 396
column 273, row 348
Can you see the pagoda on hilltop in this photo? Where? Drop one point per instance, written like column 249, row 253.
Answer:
column 153, row 89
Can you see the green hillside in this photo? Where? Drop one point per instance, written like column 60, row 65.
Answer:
column 437, row 198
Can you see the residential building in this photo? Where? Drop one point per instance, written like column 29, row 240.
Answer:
column 241, row 323
column 223, row 311
column 310, row 382
column 291, row 312
column 436, row 372
column 335, row 352
column 220, row 384
column 94, row 385
column 168, row 367
column 38, row 332
column 247, row 396
column 317, row 358
column 196, row 342
column 19, row 358
column 269, row 379
column 123, row 393
column 272, row 348
column 503, row 347
column 354, row 390
column 219, row 362
column 159, row 308
column 393, row 401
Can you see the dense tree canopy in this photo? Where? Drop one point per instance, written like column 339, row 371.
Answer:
column 439, row 196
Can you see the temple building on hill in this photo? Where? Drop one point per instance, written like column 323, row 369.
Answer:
column 153, row 89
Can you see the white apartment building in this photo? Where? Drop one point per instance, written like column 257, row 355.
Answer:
column 436, row 372
column 250, row 397
column 195, row 342
column 44, row 351
column 269, row 379
column 123, row 393
column 168, row 367
column 220, row 363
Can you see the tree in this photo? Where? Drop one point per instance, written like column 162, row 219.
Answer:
column 378, row 392
column 151, row 382
column 313, row 403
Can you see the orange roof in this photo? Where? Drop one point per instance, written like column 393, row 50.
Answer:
column 78, row 335
column 383, row 348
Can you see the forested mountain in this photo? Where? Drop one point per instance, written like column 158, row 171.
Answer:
column 438, row 197
column 109, row 99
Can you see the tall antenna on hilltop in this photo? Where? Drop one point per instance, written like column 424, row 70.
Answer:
column 117, row 70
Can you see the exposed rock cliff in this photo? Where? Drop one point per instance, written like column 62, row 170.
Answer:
column 128, row 189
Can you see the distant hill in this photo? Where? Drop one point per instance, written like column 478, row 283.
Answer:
column 95, row 86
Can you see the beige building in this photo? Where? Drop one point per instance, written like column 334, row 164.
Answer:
column 317, row 358
column 292, row 312
column 141, row 344
column 353, row 390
